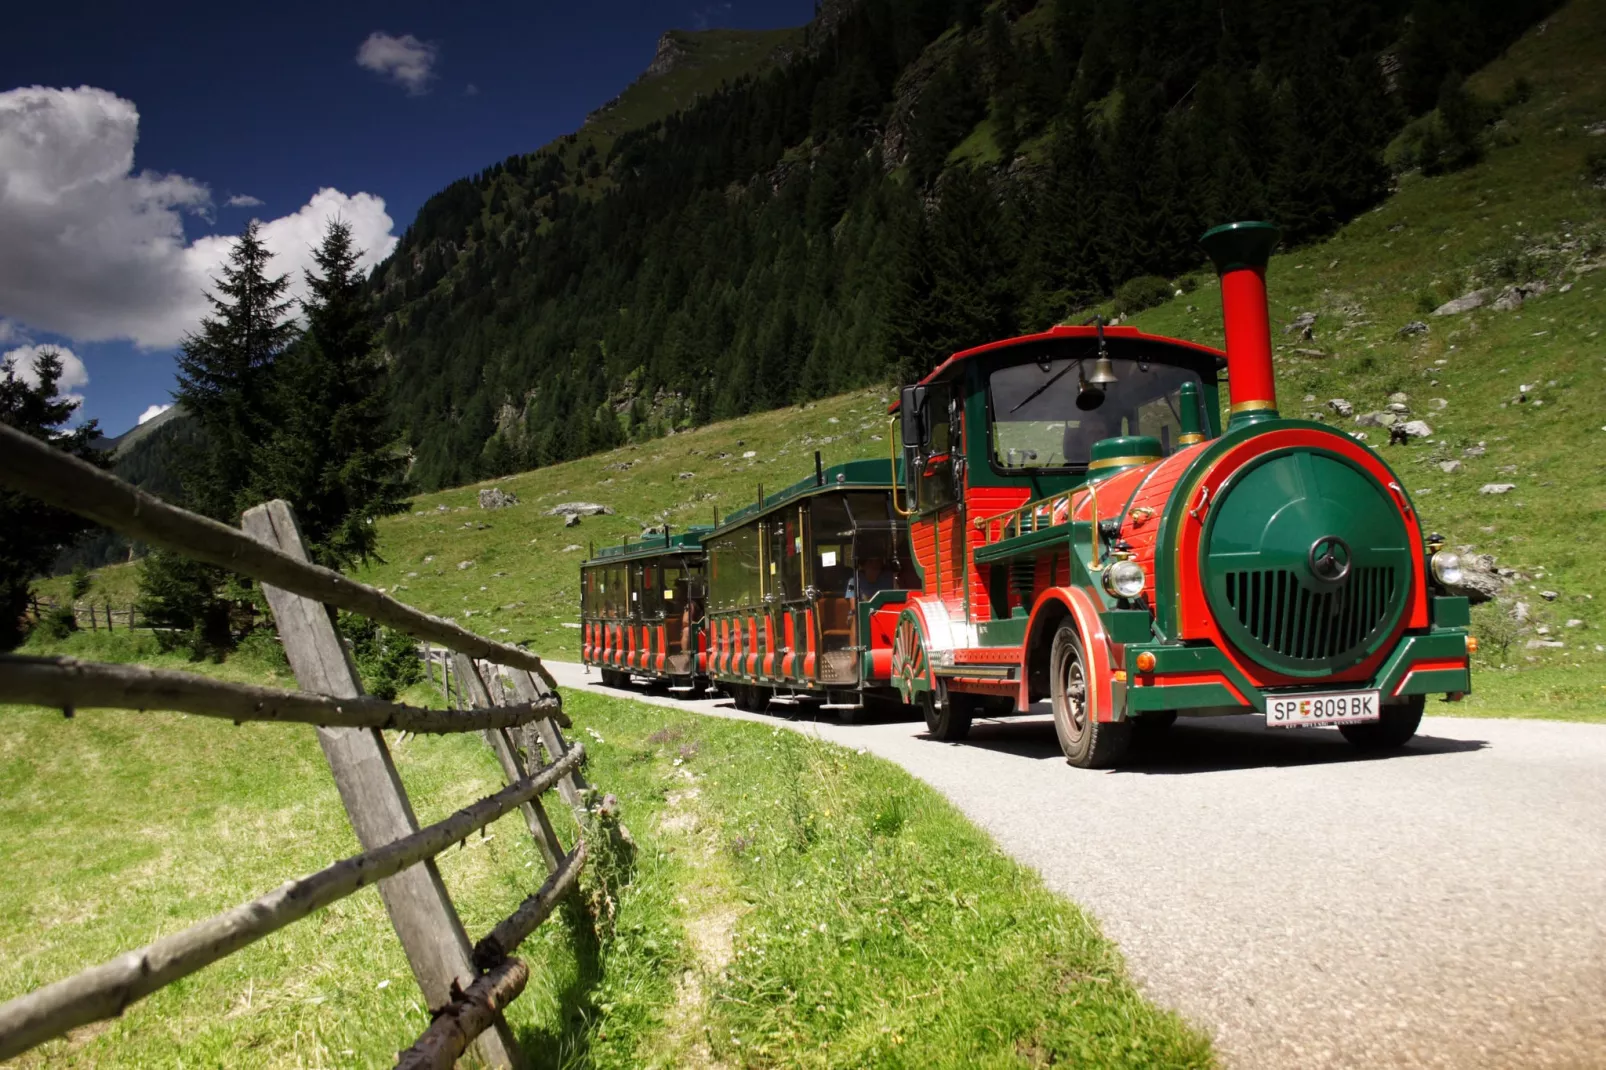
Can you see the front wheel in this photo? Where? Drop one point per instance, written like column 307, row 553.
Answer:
column 1391, row 731
column 1088, row 743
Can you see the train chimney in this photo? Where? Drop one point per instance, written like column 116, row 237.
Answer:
column 1240, row 252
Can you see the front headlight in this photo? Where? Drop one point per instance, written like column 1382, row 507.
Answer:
column 1125, row 579
column 1447, row 568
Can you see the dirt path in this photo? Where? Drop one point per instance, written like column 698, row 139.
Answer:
column 1445, row 907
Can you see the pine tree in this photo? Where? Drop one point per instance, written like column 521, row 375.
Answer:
column 32, row 534
column 225, row 381
column 332, row 457
column 225, row 375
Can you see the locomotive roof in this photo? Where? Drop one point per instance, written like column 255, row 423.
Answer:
column 874, row 474
column 1119, row 339
column 688, row 541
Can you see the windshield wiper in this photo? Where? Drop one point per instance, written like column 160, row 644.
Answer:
column 1056, row 377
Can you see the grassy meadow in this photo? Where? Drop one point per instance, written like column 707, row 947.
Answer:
column 789, row 902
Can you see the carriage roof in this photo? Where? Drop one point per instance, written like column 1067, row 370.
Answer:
column 874, row 474
column 689, row 541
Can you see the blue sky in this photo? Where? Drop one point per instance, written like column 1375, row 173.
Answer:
column 267, row 103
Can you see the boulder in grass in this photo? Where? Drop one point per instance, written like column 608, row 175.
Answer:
column 579, row 509
column 1376, row 419
column 1416, row 429
column 497, row 498
column 1341, row 407
column 571, row 520
column 1497, row 488
column 1465, row 303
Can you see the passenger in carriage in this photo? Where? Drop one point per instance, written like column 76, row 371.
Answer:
column 869, row 580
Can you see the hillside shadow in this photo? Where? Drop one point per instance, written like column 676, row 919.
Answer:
column 1217, row 744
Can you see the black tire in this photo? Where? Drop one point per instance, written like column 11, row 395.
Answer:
column 750, row 698
column 1088, row 743
column 1391, row 731
column 948, row 713
column 615, row 678
column 1150, row 727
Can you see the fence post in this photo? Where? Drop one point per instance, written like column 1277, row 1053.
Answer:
column 529, row 687
column 420, row 908
column 479, row 693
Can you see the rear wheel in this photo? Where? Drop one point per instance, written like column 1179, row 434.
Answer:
column 1088, row 743
column 750, row 698
column 1392, row 730
column 948, row 713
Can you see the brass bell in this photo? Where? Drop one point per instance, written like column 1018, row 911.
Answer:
column 1103, row 372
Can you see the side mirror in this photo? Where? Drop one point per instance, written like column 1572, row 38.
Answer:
column 909, row 411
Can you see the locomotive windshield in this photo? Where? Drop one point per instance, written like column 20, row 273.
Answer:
column 1040, row 422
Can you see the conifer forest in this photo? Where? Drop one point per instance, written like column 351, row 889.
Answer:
column 918, row 177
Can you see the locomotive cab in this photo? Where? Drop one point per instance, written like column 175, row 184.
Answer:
column 1087, row 532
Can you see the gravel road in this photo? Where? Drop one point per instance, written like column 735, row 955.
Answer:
column 1310, row 908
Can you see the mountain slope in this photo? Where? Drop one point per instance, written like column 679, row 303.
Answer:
column 818, row 227
column 1528, row 213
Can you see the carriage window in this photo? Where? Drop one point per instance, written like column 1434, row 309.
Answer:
column 1037, row 423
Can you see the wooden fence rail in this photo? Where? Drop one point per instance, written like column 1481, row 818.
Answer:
column 52, row 476
column 499, row 690
column 70, row 684
column 105, row 991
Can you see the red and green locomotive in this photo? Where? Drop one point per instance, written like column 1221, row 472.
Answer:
column 1087, row 533
column 1070, row 522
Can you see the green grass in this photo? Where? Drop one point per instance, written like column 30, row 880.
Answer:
column 523, row 583
column 935, row 949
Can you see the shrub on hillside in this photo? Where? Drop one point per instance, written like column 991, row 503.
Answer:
column 1145, row 291
column 1595, row 169
column 386, row 659
column 57, row 623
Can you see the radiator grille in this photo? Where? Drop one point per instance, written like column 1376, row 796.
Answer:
column 1303, row 624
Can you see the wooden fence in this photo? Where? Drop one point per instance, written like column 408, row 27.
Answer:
column 464, row 985
column 89, row 614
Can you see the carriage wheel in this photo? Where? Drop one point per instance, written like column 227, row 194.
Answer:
column 908, row 660
column 948, row 713
column 1088, row 743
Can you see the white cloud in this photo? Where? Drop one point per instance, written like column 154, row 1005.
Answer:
column 405, row 59
column 91, row 250
column 23, row 362
column 244, row 200
column 153, row 412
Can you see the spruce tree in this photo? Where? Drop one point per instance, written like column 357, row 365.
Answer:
column 332, row 456
column 32, row 534
column 225, row 378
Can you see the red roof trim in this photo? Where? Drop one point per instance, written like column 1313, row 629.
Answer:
column 947, row 367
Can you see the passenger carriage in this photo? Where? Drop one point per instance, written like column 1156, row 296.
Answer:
column 641, row 611
column 799, row 582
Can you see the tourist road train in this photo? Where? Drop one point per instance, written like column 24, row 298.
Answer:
column 1069, row 521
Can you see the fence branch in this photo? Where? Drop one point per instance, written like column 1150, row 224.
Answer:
column 46, row 473
column 503, row 940
column 104, row 991
column 68, row 684
column 457, row 1024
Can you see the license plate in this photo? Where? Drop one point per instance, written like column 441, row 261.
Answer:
column 1337, row 707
